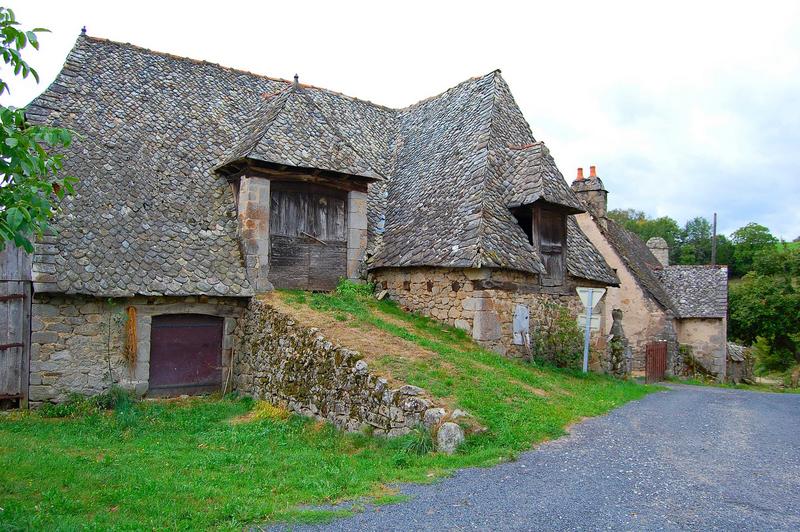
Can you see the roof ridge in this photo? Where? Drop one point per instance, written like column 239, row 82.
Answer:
column 454, row 87
column 486, row 172
column 338, row 133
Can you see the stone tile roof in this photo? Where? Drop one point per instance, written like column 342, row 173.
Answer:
column 639, row 260
column 688, row 291
column 697, row 291
column 583, row 259
column 736, row 352
column 152, row 217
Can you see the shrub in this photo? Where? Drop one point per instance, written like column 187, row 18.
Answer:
column 265, row 410
column 556, row 338
column 77, row 405
column 418, row 441
column 348, row 288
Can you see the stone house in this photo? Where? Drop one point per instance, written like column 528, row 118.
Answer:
column 202, row 186
column 681, row 305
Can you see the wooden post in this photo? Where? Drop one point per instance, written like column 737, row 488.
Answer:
column 714, row 243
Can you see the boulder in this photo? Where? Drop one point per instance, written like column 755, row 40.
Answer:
column 433, row 416
column 449, row 437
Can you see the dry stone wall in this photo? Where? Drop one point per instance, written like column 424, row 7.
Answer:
column 281, row 361
column 77, row 342
column 482, row 302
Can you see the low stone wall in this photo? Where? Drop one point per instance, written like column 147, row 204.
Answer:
column 77, row 342
column 482, row 301
column 285, row 363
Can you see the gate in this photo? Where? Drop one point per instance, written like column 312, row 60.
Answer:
column 655, row 362
column 15, row 332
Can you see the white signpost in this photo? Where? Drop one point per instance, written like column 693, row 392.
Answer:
column 590, row 297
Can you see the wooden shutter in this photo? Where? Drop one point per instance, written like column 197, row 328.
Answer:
column 551, row 228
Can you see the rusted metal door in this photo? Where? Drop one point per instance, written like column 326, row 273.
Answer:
column 655, row 362
column 308, row 236
column 185, row 354
column 15, row 332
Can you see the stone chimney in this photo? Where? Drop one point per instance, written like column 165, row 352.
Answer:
column 591, row 192
column 660, row 249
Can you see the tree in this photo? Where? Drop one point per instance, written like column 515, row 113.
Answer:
column 29, row 173
column 765, row 305
column 696, row 242
column 638, row 222
column 749, row 241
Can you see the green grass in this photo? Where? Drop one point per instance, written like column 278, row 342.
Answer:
column 184, row 465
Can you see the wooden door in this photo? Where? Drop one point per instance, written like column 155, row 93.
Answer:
column 552, row 231
column 185, row 354
column 655, row 362
column 308, row 236
column 15, row 333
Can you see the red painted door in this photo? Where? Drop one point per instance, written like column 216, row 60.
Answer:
column 185, row 354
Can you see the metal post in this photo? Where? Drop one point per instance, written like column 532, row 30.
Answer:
column 714, row 243
column 587, row 332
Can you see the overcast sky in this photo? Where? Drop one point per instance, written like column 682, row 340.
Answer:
column 686, row 108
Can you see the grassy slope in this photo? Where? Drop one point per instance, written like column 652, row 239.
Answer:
column 183, row 464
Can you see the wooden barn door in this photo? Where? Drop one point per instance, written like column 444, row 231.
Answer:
column 15, row 333
column 308, row 236
column 655, row 362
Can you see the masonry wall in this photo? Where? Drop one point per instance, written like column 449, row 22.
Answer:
column 643, row 320
column 287, row 364
column 77, row 342
column 707, row 338
column 479, row 301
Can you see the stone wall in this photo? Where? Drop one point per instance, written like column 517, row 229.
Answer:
column 482, row 301
column 285, row 363
column 707, row 338
column 77, row 342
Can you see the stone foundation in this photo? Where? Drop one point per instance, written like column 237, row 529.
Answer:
column 77, row 342
column 482, row 302
column 282, row 362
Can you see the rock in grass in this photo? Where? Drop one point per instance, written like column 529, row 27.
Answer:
column 433, row 416
column 449, row 437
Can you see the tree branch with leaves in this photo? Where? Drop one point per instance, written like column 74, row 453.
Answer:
column 30, row 181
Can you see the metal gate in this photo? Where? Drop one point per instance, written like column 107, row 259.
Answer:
column 15, row 321
column 655, row 362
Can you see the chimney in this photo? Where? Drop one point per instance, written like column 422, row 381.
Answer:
column 591, row 192
column 660, row 249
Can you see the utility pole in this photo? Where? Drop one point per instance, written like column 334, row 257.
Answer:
column 714, row 243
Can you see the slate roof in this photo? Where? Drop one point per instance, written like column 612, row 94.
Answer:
column 688, row 291
column 697, row 291
column 151, row 216
column 640, row 261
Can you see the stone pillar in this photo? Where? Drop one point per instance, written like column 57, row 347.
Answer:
column 675, row 362
column 254, row 229
column 660, row 249
column 356, row 232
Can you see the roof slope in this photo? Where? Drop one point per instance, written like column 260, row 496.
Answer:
column 151, row 217
column 697, row 291
column 640, row 261
column 292, row 130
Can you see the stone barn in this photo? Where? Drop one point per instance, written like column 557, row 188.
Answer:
column 202, row 186
column 680, row 305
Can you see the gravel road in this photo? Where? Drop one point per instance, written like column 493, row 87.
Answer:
column 691, row 458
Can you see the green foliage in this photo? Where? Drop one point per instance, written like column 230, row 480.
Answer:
column 639, row 223
column 750, row 241
column 555, row 337
column 348, row 288
column 29, row 173
column 764, row 308
column 77, row 405
column 419, row 441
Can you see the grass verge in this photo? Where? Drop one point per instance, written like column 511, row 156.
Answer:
column 225, row 463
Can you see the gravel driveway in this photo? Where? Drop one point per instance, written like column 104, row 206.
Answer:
column 691, row 458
